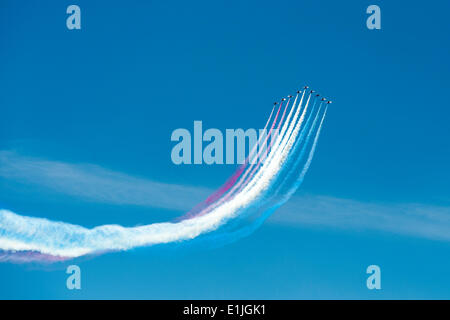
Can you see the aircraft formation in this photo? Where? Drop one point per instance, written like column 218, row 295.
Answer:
column 310, row 92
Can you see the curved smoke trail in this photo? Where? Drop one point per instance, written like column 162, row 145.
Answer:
column 271, row 201
column 233, row 179
column 248, row 173
column 254, row 190
column 232, row 235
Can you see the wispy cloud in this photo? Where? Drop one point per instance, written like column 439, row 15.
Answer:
column 94, row 183
column 413, row 219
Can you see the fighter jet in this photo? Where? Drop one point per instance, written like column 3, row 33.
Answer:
column 312, row 91
column 323, row 99
column 283, row 99
column 305, row 87
column 275, row 103
column 329, row 101
column 289, row 96
column 299, row 91
column 317, row 95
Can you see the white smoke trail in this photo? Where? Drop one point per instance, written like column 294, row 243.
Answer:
column 300, row 178
column 248, row 175
column 300, row 147
column 278, row 155
column 231, row 236
column 20, row 233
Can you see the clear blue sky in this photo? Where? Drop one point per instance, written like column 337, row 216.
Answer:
column 111, row 93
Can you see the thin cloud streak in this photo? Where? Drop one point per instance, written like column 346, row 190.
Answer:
column 411, row 219
column 94, row 183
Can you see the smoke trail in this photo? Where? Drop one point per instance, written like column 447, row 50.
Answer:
column 234, row 235
column 209, row 204
column 245, row 180
column 278, row 154
column 37, row 238
column 299, row 148
column 270, row 202
column 250, row 171
column 230, row 182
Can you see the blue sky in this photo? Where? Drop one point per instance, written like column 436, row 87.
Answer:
column 110, row 94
